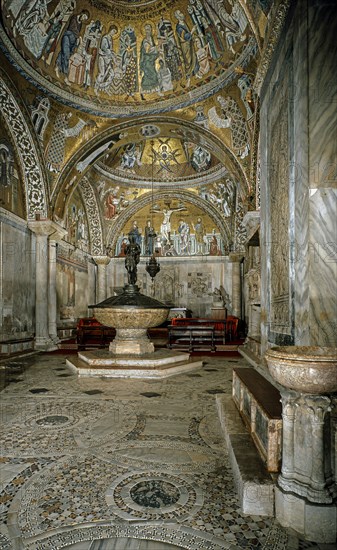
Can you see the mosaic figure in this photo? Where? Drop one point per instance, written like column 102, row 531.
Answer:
column 136, row 232
column 83, row 61
column 214, row 247
column 184, row 233
column 69, row 42
column 110, row 209
column 207, row 32
column 30, row 23
column 203, row 54
column 148, row 56
column 107, row 60
column 233, row 26
column 128, row 52
column 130, row 157
column 200, row 159
column 56, row 22
column 6, row 165
column 240, row 138
column 165, row 156
column 165, row 228
column 169, row 49
column 199, row 231
column 164, row 77
column 185, row 39
column 149, row 238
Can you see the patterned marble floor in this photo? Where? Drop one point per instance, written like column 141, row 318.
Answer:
column 97, row 464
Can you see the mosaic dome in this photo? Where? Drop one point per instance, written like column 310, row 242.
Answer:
column 129, row 57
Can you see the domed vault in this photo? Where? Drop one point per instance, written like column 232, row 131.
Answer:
column 135, row 108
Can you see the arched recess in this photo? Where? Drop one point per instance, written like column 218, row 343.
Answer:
column 12, row 111
column 93, row 216
column 191, row 132
column 185, row 196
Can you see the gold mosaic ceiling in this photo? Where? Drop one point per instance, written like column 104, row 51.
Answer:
column 129, row 57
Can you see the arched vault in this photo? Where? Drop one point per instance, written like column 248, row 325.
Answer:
column 119, row 134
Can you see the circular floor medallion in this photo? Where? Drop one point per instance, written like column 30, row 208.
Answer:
column 155, row 493
column 54, row 420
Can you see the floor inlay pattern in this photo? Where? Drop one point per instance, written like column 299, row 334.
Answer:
column 47, row 428
column 92, row 460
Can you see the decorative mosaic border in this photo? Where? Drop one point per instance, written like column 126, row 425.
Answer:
column 178, row 535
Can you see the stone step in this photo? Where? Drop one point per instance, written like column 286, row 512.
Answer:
column 132, row 371
column 254, row 484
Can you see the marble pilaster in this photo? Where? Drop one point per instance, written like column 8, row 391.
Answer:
column 101, row 291
column 54, row 238
column 236, row 260
column 42, row 229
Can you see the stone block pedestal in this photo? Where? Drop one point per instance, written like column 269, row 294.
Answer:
column 314, row 522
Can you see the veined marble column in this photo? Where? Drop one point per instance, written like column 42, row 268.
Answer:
column 102, row 263
column 58, row 235
column 236, row 260
column 42, row 230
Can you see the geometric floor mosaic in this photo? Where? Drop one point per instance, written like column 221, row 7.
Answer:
column 95, row 464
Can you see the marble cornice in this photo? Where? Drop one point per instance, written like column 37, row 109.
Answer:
column 47, row 228
column 9, row 217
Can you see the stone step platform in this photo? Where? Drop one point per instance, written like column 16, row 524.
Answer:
column 159, row 364
column 254, row 484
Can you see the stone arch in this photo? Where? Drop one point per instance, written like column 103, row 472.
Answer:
column 31, row 164
column 185, row 196
column 93, row 216
column 221, row 150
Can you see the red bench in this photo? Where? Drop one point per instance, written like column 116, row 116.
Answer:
column 227, row 329
column 91, row 333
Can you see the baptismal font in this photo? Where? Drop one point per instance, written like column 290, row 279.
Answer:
column 132, row 354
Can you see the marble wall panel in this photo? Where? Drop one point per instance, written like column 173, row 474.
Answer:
column 184, row 282
column 17, row 266
column 74, row 294
column 277, row 200
column 322, row 32
column 323, row 267
column 306, row 53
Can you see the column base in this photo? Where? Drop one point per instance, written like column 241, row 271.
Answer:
column 314, row 522
column 306, row 490
column 44, row 344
